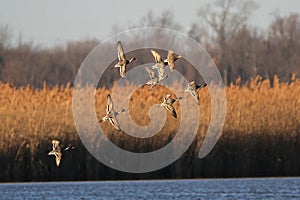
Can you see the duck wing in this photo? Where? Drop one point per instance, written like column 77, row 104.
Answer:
column 170, row 109
column 150, row 72
column 120, row 50
column 200, row 86
column 109, row 105
column 57, row 158
column 161, row 74
column 195, row 95
column 171, row 59
column 157, row 57
column 114, row 122
column 55, row 145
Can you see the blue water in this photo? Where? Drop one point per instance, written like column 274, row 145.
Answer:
column 254, row 188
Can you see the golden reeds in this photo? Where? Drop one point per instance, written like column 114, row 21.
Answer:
column 30, row 118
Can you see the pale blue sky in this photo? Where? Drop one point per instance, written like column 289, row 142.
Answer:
column 57, row 21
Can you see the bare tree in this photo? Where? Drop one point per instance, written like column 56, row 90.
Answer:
column 284, row 37
column 163, row 20
column 5, row 36
column 5, row 39
column 225, row 18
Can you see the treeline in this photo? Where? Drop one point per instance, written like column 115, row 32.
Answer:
column 26, row 64
column 238, row 49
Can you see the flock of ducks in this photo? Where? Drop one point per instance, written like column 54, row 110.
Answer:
column 167, row 104
column 160, row 64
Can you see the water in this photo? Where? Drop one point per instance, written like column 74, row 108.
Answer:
column 254, row 188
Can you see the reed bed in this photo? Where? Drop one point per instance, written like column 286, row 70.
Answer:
column 260, row 135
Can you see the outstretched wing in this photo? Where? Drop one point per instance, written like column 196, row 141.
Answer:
column 171, row 66
column 170, row 55
column 114, row 122
column 167, row 97
column 161, row 74
column 57, row 158
column 55, row 145
column 200, row 86
column 168, row 100
column 157, row 57
column 171, row 109
column 104, row 119
column 192, row 85
column 120, row 50
column 171, row 60
column 150, row 72
column 109, row 105
column 195, row 95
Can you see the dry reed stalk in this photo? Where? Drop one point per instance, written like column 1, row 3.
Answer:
column 39, row 115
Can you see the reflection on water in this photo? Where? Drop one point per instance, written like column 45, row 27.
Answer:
column 258, row 188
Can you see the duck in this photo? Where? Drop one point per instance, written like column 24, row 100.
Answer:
column 192, row 89
column 153, row 78
column 111, row 114
column 168, row 104
column 170, row 60
column 122, row 63
column 56, row 151
column 160, row 65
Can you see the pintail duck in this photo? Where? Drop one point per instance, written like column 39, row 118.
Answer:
column 170, row 60
column 56, row 151
column 160, row 65
column 122, row 60
column 153, row 78
column 192, row 89
column 167, row 104
column 111, row 114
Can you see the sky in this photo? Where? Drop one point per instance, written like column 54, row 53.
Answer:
column 53, row 22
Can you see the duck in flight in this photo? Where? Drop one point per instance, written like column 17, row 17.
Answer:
column 122, row 63
column 160, row 65
column 153, row 78
column 167, row 104
column 192, row 89
column 170, row 60
column 111, row 114
column 56, row 151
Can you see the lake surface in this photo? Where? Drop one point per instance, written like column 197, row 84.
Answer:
column 252, row 188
